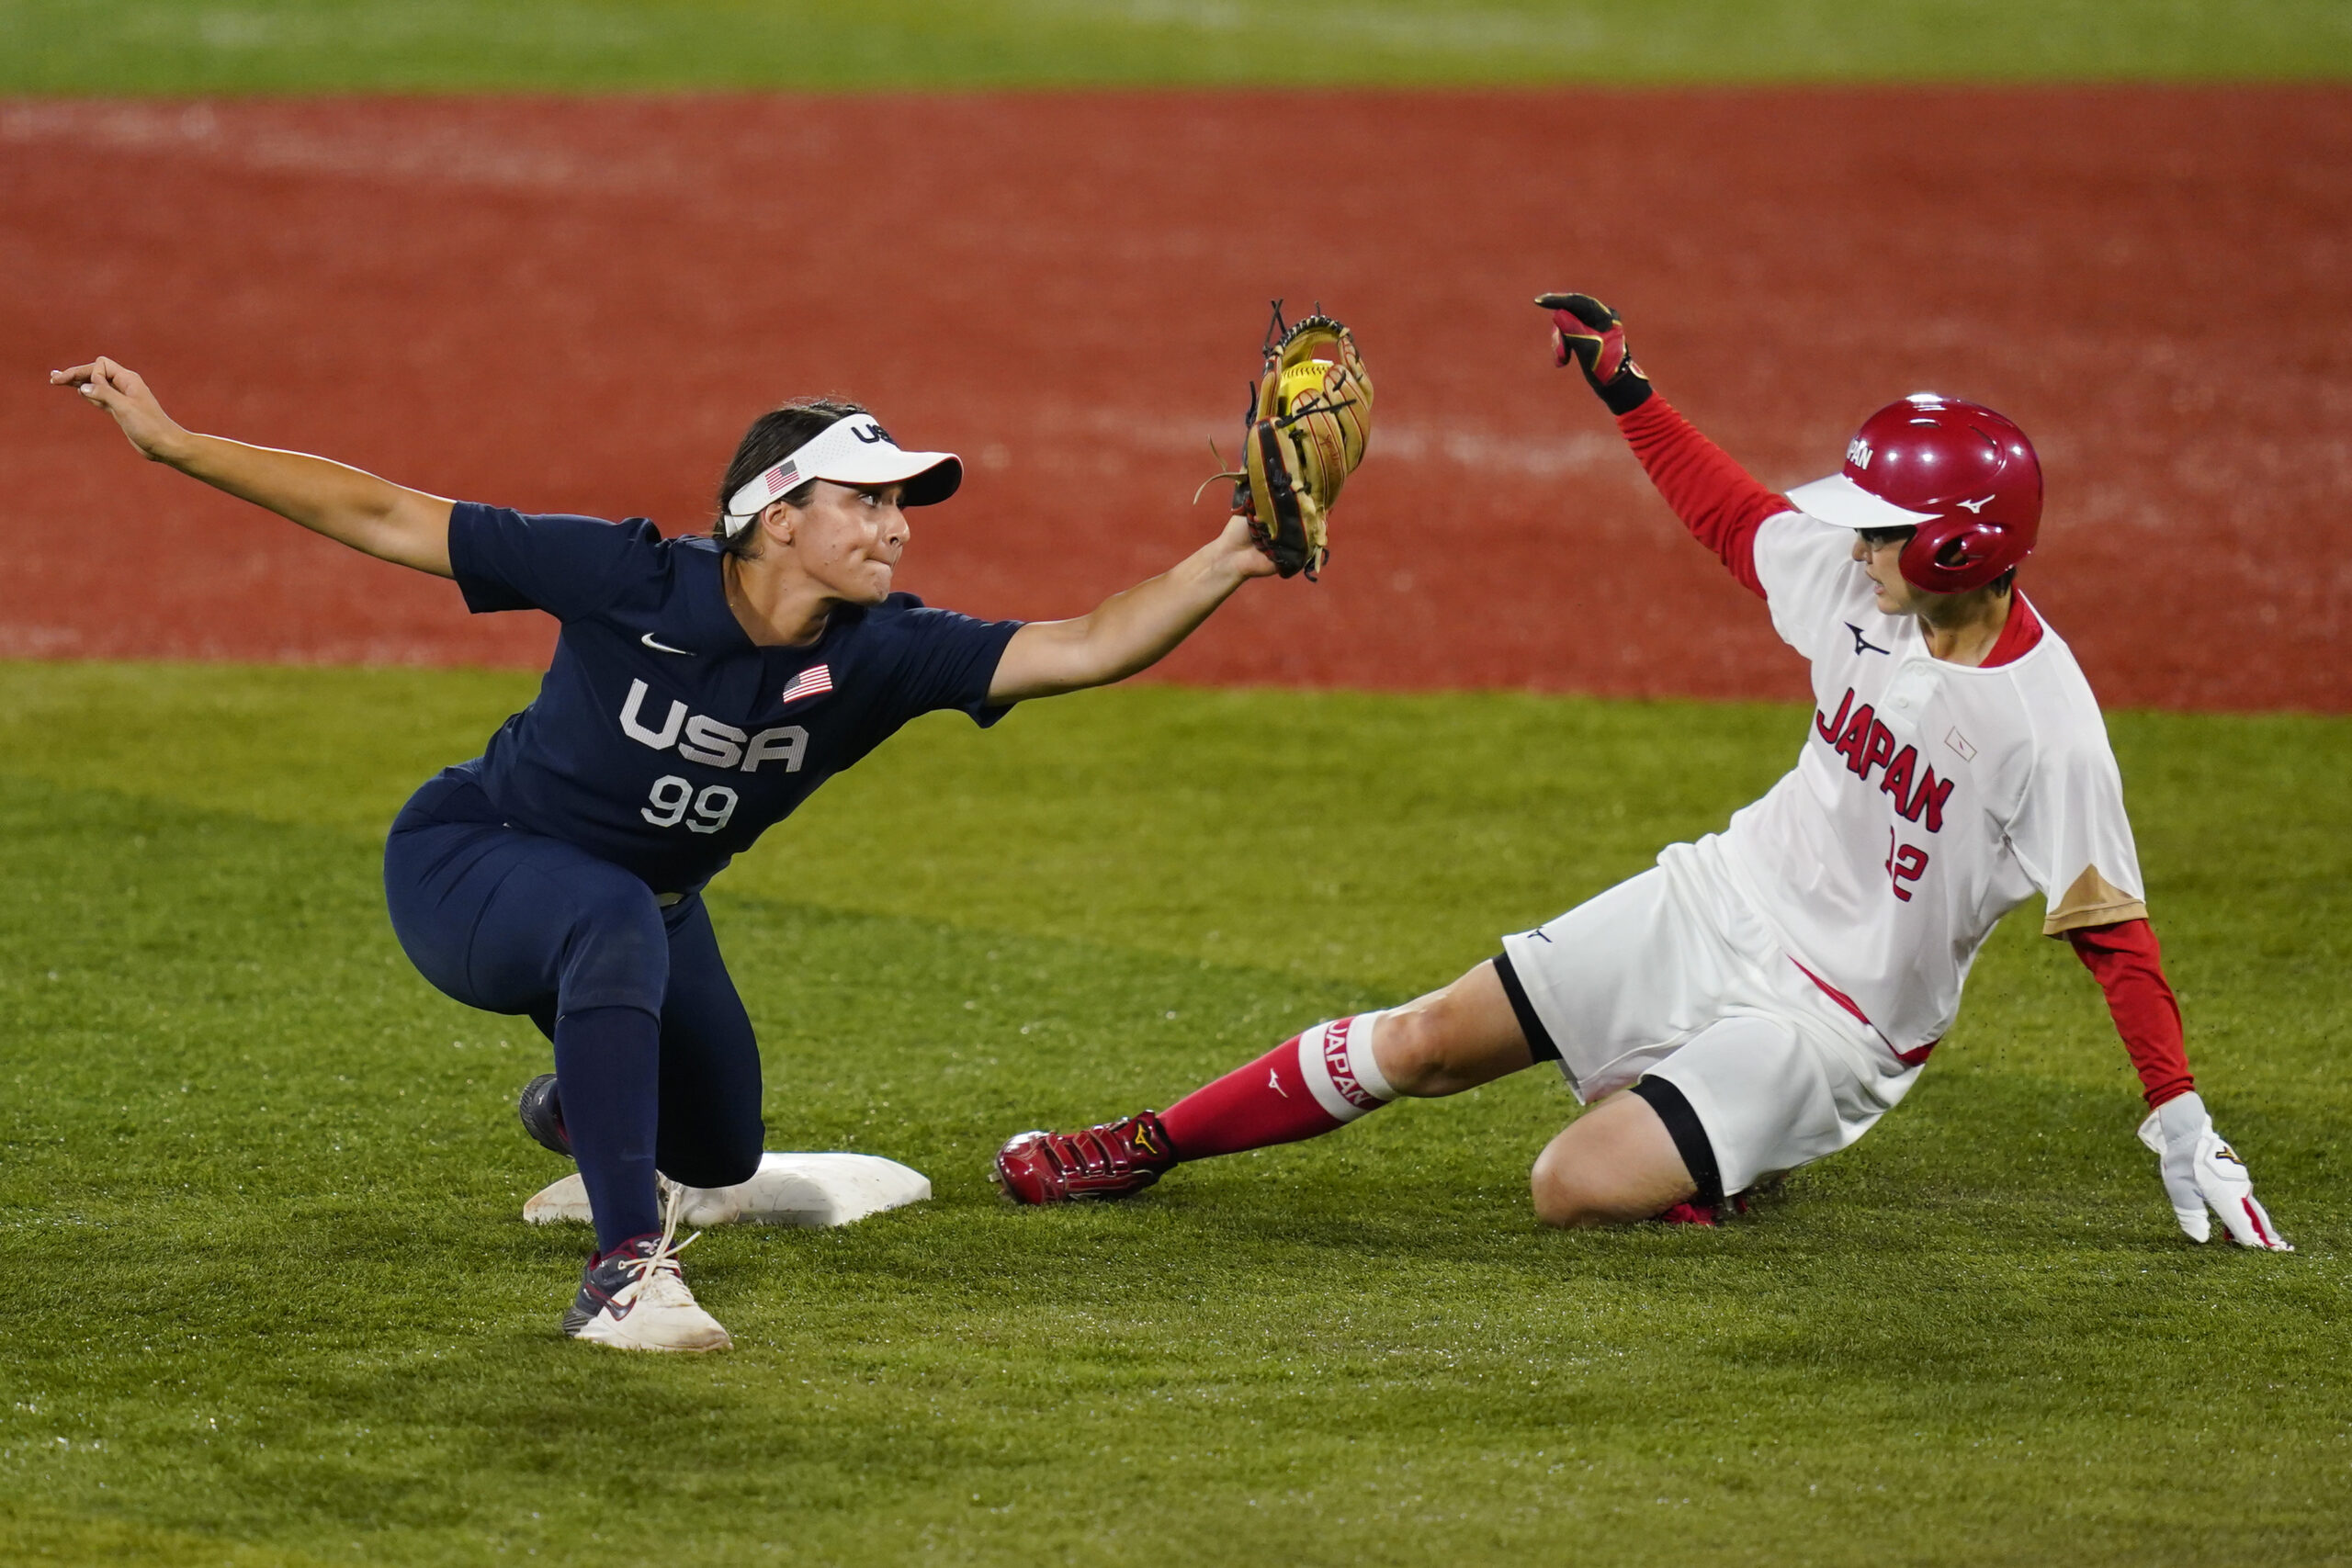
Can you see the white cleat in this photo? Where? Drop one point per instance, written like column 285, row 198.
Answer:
column 636, row 1299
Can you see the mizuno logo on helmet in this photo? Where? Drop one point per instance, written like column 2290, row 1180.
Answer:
column 1857, row 452
column 1975, row 506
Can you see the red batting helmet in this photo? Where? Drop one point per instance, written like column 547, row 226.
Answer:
column 1963, row 477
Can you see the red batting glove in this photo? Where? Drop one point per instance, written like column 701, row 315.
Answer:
column 1585, row 329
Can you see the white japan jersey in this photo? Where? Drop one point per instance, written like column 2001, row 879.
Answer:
column 1929, row 800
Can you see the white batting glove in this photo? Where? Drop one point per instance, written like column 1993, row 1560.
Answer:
column 2202, row 1170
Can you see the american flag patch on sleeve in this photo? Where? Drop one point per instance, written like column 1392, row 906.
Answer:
column 815, row 681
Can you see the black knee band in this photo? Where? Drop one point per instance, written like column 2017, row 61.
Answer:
column 1690, row 1137
column 1539, row 1039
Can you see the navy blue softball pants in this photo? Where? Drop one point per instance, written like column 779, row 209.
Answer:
column 655, row 1061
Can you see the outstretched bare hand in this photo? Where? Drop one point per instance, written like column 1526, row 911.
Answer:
column 123, row 393
column 348, row 505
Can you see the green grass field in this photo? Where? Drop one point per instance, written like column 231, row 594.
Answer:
column 243, row 45
column 270, row 1301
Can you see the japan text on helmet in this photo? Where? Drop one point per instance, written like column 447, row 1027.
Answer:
column 1962, row 475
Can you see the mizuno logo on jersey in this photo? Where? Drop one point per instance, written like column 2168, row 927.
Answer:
column 709, row 742
column 1861, row 643
column 1857, row 735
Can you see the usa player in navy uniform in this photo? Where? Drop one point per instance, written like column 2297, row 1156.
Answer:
column 701, row 689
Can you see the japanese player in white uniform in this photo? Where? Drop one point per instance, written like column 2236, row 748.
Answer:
column 1763, row 995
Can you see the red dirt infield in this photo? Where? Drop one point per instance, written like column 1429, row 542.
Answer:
column 577, row 305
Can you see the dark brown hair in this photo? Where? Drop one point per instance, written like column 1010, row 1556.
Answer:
column 774, row 436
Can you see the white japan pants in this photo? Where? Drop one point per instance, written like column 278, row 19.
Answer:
column 1672, row 975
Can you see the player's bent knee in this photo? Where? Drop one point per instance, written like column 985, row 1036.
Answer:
column 1565, row 1200
column 1451, row 1040
column 1412, row 1050
column 740, row 1156
column 714, row 1168
column 1615, row 1165
column 721, row 1153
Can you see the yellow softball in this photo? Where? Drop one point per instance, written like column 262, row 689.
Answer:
column 1301, row 379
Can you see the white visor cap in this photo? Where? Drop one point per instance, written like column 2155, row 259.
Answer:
column 1840, row 500
column 852, row 450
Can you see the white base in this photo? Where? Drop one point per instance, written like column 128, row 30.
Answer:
column 790, row 1189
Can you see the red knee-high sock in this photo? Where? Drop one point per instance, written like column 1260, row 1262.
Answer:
column 1307, row 1085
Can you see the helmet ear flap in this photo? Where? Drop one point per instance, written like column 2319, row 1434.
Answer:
column 1949, row 556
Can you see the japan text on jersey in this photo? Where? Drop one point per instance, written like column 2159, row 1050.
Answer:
column 1929, row 799
column 662, row 739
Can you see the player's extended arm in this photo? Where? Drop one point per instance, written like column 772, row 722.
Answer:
column 2128, row 964
column 374, row 515
column 1131, row 630
column 1718, row 501
column 2199, row 1170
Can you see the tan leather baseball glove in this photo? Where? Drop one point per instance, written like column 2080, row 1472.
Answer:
column 1303, row 435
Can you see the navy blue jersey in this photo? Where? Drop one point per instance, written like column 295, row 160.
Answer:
column 662, row 739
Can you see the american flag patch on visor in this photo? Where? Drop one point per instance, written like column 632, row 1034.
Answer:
column 852, row 450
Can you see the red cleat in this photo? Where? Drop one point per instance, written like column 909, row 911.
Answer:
column 1117, row 1159
column 1696, row 1213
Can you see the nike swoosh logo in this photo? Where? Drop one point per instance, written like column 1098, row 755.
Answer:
column 608, row 1302
column 648, row 639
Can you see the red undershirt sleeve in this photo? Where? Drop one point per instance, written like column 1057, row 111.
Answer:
column 1718, row 501
column 2130, row 969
